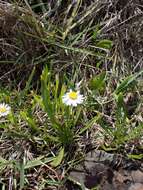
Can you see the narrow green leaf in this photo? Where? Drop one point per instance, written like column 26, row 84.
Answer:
column 107, row 44
column 90, row 123
column 135, row 156
column 127, row 82
column 22, row 177
column 27, row 87
column 37, row 162
column 45, row 91
column 121, row 112
column 98, row 82
column 58, row 159
column 30, row 121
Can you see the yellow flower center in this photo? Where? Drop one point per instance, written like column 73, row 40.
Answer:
column 73, row 95
column 2, row 109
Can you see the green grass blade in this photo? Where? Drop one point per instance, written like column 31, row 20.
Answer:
column 127, row 82
column 37, row 162
column 58, row 159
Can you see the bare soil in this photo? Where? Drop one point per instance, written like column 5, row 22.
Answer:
column 107, row 172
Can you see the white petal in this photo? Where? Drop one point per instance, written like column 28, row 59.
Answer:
column 74, row 104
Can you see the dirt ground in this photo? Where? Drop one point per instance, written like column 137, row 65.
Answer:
column 108, row 172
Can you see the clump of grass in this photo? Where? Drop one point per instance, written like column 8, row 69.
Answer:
column 64, row 41
column 44, row 132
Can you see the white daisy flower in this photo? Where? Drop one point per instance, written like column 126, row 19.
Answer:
column 4, row 109
column 72, row 98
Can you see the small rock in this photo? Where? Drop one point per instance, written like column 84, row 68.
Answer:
column 136, row 186
column 137, row 176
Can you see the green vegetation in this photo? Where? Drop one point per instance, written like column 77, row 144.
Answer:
column 48, row 49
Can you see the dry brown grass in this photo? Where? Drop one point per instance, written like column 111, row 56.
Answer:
column 120, row 21
column 123, row 23
column 18, row 46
